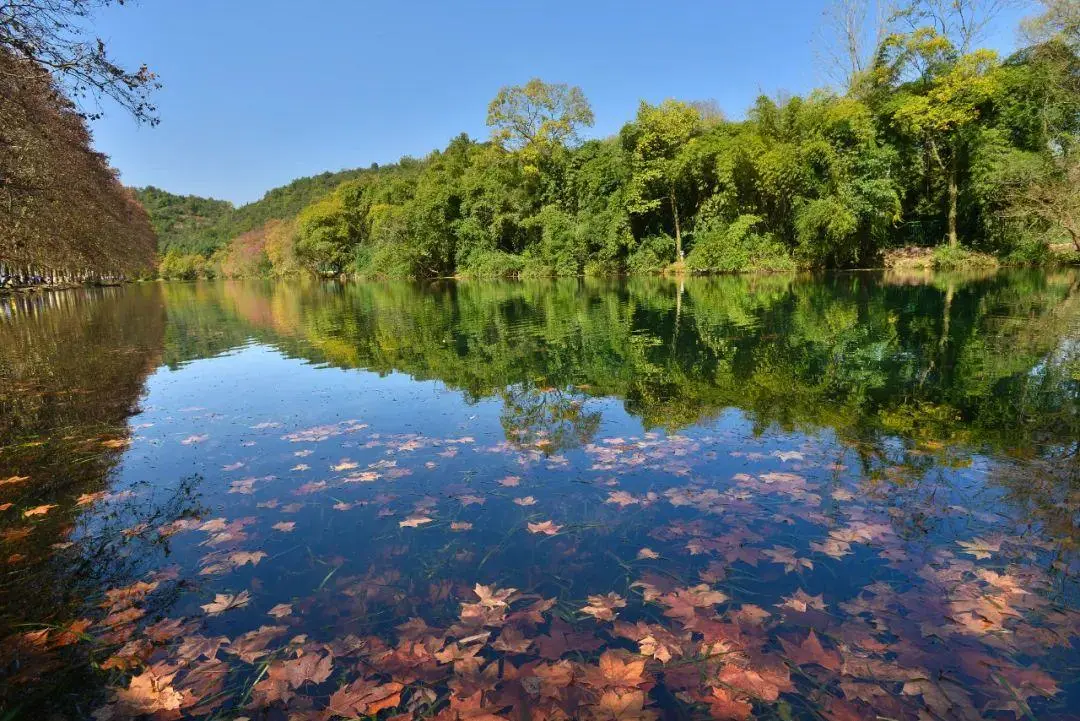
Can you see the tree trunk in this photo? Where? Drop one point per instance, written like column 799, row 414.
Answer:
column 678, row 230
column 954, row 241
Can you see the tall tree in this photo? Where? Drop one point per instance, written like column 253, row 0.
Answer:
column 938, row 93
column 538, row 114
column 660, row 145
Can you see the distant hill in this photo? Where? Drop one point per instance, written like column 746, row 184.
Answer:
column 185, row 222
column 192, row 224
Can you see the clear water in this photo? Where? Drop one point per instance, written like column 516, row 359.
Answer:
column 852, row 496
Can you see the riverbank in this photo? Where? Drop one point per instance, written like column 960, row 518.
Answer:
column 41, row 288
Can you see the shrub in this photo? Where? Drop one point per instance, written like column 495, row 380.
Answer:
column 652, row 255
column 947, row 258
column 491, row 264
column 738, row 247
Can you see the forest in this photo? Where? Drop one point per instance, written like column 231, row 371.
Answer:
column 64, row 215
column 934, row 142
column 925, row 140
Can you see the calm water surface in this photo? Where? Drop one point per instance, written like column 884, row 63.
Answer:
column 845, row 497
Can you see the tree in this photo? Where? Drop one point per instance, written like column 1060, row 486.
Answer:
column 327, row 232
column 1052, row 196
column 963, row 22
column 852, row 32
column 63, row 213
column 1059, row 19
column 659, row 143
column 538, row 114
column 51, row 34
column 938, row 94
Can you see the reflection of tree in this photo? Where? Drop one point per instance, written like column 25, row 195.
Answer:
column 547, row 419
column 72, row 369
column 943, row 363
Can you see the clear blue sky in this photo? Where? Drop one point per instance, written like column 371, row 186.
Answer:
column 259, row 92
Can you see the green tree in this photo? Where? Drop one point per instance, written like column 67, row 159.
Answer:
column 938, row 95
column 660, row 145
column 538, row 114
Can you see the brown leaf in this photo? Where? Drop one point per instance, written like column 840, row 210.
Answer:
column 251, row 646
column 280, row 611
column 364, row 698
column 224, row 602
column 617, row 705
column 810, row 651
column 511, row 640
column 151, row 691
column 616, row 671
column 548, row 528
column 602, row 608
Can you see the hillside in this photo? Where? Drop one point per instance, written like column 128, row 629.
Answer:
column 186, row 222
column 191, row 224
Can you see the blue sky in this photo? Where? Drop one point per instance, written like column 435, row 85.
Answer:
column 259, row 92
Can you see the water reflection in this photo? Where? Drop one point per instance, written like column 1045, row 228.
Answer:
column 169, row 447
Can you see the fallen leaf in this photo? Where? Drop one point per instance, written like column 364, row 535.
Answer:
column 548, row 528
column 224, row 602
column 602, row 608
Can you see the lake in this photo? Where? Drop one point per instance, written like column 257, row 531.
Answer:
column 848, row 496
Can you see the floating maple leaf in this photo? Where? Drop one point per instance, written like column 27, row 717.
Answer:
column 280, row 611
column 525, row 501
column 150, row 692
column 653, row 640
column 548, row 528
column 810, row 651
column 510, row 481
column 493, row 597
column 729, row 705
column 192, row 440
column 251, row 646
column 414, row 521
column 284, row 677
column 224, row 602
column 602, row 608
column 38, row 510
column 980, row 548
column 683, row 602
column 461, row 526
column 284, row 526
column 511, row 640
column 615, row 705
column 647, row 554
column 364, row 697
column 786, row 556
column 616, row 670
column 761, row 682
column 801, row 601
column 622, row 498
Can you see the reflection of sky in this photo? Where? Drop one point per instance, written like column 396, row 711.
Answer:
column 246, row 400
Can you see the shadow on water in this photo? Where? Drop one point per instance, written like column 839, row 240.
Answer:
column 685, row 485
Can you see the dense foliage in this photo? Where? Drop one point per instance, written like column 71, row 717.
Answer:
column 189, row 224
column 933, row 143
column 63, row 213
